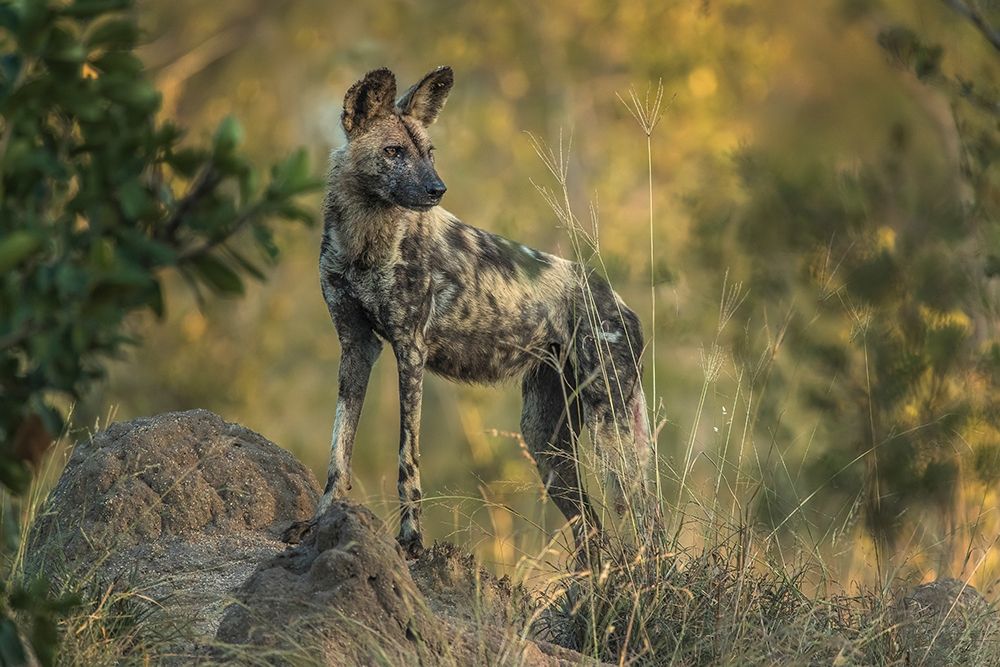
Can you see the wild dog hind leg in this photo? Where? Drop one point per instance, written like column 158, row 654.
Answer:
column 551, row 422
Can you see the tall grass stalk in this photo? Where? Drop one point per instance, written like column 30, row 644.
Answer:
column 647, row 114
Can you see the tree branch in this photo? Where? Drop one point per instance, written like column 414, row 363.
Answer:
column 198, row 250
column 205, row 183
column 969, row 12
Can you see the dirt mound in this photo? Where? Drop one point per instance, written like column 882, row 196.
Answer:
column 345, row 580
column 172, row 474
column 346, row 594
column 181, row 506
column 944, row 622
column 457, row 588
column 185, row 510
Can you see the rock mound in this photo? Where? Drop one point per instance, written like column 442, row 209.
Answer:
column 182, row 506
column 186, row 510
column 345, row 595
column 944, row 622
column 457, row 588
column 347, row 579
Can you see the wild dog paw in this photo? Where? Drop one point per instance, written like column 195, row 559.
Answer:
column 297, row 532
column 412, row 546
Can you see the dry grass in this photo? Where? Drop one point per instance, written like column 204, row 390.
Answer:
column 711, row 587
column 733, row 603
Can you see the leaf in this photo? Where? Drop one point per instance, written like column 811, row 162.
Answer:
column 9, row 18
column 11, row 650
column 26, row 96
column 86, row 9
column 229, row 164
column 15, row 475
column 229, row 135
column 124, row 275
column 113, row 34
column 136, row 94
column 115, row 62
column 294, row 212
column 168, row 134
column 44, row 635
column 146, row 249
column 109, row 300
column 33, row 26
column 64, row 47
column 87, row 106
column 246, row 264
column 10, row 68
column 17, row 247
column 265, row 239
column 186, row 161
column 217, row 275
column 135, row 201
column 248, row 182
column 292, row 176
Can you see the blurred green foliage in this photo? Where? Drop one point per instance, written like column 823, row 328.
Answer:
column 878, row 282
column 98, row 197
column 36, row 613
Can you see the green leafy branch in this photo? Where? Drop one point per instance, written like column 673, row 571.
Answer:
column 99, row 199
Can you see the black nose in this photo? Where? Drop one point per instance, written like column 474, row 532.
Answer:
column 436, row 190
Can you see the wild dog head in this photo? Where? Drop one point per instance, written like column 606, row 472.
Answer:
column 391, row 155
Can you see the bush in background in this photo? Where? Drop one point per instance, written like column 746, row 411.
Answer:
column 97, row 200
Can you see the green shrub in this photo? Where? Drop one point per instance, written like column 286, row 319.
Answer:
column 98, row 198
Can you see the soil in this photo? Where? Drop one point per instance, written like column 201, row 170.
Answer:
column 186, row 510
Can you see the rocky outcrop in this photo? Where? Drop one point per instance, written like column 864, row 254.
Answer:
column 345, row 581
column 187, row 509
column 945, row 622
column 346, row 594
column 182, row 506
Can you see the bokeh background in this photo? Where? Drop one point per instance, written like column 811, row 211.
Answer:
column 821, row 181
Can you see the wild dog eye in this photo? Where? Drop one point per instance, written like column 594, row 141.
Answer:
column 392, row 151
column 430, row 153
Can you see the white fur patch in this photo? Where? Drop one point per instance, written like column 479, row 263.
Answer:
column 610, row 336
column 337, row 461
column 443, row 294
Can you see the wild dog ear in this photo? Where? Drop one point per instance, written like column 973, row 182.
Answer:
column 424, row 100
column 368, row 99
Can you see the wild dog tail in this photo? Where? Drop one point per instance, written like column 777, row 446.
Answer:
column 639, row 413
column 650, row 512
column 624, row 450
column 609, row 345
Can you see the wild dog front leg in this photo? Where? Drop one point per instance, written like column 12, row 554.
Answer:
column 410, row 357
column 359, row 350
column 356, row 363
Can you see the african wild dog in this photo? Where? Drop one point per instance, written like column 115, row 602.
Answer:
column 465, row 304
